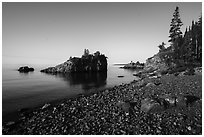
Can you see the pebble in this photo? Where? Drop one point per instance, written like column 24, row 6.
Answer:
column 150, row 84
column 189, row 127
column 153, row 77
column 10, row 123
column 158, row 82
column 45, row 106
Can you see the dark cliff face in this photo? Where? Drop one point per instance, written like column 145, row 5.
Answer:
column 88, row 63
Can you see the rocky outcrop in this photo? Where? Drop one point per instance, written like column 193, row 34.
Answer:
column 133, row 65
column 87, row 63
column 155, row 63
column 25, row 69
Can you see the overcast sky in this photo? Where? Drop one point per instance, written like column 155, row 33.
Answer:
column 49, row 33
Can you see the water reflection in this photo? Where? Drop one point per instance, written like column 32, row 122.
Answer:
column 131, row 70
column 86, row 80
column 25, row 73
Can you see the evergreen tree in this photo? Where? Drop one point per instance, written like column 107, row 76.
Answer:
column 186, row 32
column 175, row 32
column 187, row 48
column 193, row 41
column 199, row 39
column 191, row 49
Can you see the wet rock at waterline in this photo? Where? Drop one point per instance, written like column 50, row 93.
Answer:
column 138, row 74
column 45, row 106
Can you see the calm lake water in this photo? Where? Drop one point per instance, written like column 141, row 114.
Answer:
column 27, row 90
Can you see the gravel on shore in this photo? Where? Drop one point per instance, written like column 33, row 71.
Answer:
column 98, row 113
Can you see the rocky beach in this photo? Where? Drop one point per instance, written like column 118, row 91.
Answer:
column 51, row 87
column 121, row 110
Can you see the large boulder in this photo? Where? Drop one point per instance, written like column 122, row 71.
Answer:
column 125, row 106
column 87, row 63
column 149, row 105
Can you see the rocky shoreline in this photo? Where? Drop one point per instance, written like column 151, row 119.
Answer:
column 106, row 112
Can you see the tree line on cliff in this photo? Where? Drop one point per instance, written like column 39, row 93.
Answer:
column 184, row 50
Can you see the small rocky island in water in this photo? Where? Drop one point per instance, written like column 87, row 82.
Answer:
column 96, row 62
column 133, row 65
column 25, row 69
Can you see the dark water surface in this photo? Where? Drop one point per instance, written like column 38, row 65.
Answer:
column 27, row 90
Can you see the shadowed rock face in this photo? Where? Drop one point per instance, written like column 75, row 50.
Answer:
column 87, row 63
